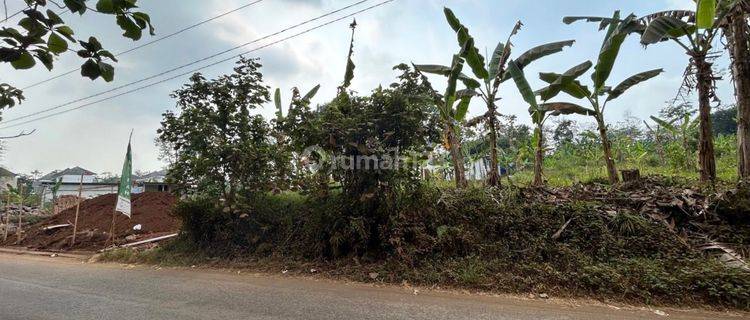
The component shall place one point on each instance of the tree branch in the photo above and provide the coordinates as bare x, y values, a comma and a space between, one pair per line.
22, 134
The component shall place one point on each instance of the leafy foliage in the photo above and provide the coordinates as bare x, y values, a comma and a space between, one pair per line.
43, 35
222, 149
493, 75
617, 30
391, 122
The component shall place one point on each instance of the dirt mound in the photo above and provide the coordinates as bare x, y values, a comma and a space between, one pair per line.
151, 210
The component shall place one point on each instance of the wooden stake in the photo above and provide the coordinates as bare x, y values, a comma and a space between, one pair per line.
112, 228
7, 218
78, 209
20, 214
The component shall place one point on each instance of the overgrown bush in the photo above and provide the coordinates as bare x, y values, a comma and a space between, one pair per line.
220, 149
478, 238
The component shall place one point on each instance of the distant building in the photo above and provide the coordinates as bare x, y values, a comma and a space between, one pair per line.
70, 179
153, 182
7, 178
94, 187
75, 174
88, 191
153, 177
156, 187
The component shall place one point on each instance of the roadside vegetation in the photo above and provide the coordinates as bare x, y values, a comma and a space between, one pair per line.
398, 185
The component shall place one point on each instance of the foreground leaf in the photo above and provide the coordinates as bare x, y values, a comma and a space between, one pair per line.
706, 13
558, 108
664, 28
539, 52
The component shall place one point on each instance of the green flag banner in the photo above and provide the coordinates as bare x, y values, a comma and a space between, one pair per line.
123, 193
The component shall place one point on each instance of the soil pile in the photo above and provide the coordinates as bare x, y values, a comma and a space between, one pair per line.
152, 216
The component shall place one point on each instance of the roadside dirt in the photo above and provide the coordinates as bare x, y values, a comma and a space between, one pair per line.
151, 210
223, 294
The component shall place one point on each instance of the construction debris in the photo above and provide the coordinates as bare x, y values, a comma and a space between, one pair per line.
157, 239
57, 227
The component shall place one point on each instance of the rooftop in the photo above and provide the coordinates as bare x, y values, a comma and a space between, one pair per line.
75, 171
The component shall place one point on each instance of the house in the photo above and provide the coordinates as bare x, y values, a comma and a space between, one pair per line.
88, 190
154, 182
153, 177
75, 174
69, 181
7, 178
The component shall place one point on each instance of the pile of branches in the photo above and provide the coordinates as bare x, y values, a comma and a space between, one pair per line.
696, 217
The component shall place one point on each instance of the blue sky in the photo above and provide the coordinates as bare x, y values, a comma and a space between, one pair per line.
403, 31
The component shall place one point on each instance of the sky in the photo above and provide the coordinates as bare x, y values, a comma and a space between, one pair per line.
95, 137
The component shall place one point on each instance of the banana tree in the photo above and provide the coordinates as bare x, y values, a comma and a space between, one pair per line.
737, 33
489, 75
283, 141
453, 107
618, 30
695, 32
696, 35
539, 114
683, 132
296, 99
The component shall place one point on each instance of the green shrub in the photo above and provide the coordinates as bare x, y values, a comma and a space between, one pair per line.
480, 238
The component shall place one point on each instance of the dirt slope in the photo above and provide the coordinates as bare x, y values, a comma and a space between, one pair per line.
151, 210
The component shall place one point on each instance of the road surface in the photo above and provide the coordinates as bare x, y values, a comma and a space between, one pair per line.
61, 288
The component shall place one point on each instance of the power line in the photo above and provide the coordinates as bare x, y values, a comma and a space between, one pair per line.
200, 68
184, 65
24, 9
13, 15
185, 29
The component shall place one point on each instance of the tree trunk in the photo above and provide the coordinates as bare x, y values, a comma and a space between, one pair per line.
706, 158
459, 173
539, 158
494, 178
607, 146
738, 36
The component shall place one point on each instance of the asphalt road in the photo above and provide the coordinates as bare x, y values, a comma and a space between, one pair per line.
44, 288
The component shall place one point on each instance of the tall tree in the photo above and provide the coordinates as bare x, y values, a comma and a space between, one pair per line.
737, 32
222, 149
453, 107
618, 30
695, 32
492, 73
699, 36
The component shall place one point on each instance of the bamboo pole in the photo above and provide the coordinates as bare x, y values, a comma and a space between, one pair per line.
78, 209
7, 218
20, 214
112, 228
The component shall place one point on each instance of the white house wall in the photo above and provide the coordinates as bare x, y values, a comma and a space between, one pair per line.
77, 179
89, 191
5, 181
